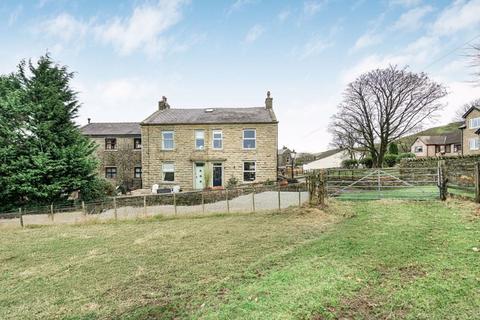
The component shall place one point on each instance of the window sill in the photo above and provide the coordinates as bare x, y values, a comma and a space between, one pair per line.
110, 149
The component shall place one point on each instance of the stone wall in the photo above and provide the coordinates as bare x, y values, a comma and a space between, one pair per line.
125, 158
185, 155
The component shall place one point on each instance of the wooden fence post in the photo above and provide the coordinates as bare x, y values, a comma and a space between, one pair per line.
477, 182
21, 216
442, 180
279, 203
115, 208
253, 200
144, 206
321, 189
299, 197
203, 203
175, 203
83, 208
228, 202
51, 212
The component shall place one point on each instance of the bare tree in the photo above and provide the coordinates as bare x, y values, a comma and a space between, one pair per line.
343, 139
463, 109
476, 61
385, 104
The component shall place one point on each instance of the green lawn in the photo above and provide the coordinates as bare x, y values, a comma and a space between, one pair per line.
377, 259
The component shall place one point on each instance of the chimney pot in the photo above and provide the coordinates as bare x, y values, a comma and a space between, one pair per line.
268, 101
89, 120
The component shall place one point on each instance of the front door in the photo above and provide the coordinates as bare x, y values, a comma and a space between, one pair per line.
199, 175
217, 174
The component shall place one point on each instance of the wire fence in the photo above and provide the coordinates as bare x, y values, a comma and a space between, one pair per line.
243, 199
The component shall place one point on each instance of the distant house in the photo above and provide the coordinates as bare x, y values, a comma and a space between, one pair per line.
119, 151
438, 146
284, 157
329, 159
471, 131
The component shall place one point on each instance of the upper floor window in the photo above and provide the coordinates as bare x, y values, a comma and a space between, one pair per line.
111, 172
217, 141
474, 144
110, 144
249, 139
199, 139
137, 143
137, 173
167, 140
168, 169
474, 123
418, 149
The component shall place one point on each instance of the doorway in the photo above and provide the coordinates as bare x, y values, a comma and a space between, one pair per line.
217, 175
199, 175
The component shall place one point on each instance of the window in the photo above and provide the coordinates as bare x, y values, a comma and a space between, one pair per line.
199, 139
137, 173
457, 148
137, 143
217, 139
448, 148
249, 139
168, 171
418, 149
167, 140
249, 171
474, 123
110, 144
111, 172
437, 149
474, 144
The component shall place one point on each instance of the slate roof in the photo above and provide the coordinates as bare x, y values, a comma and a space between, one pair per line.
449, 138
111, 128
217, 115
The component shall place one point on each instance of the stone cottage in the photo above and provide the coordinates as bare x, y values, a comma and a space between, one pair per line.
119, 150
198, 148
471, 131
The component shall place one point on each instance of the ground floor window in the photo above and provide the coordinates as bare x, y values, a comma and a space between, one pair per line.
168, 171
137, 172
111, 172
249, 170
474, 144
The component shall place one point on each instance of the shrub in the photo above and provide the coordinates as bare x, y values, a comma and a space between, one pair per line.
232, 182
393, 148
349, 163
367, 162
97, 189
406, 155
390, 159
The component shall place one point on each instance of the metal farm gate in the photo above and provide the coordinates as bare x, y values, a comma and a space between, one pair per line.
383, 183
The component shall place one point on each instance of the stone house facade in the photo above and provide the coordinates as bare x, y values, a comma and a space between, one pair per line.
211, 147
438, 146
470, 132
119, 151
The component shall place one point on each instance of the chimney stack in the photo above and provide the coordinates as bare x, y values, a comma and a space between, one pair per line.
162, 105
89, 120
268, 101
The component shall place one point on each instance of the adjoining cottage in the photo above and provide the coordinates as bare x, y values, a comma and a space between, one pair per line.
471, 131
438, 146
119, 150
210, 147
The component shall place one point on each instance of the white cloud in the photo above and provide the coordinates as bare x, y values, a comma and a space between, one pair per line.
412, 19
459, 16
311, 7
239, 4
254, 33
312, 48
144, 30
366, 40
405, 3
65, 27
14, 15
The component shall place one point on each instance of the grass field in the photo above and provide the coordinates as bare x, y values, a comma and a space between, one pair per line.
377, 259
403, 193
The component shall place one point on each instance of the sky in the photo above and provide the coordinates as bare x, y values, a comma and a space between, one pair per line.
126, 55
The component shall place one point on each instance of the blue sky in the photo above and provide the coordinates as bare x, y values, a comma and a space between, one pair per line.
127, 54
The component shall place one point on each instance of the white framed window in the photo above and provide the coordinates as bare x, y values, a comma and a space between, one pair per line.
418, 149
249, 139
217, 140
474, 144
168, 171
137, 172
474, 123
249, 171
199, 139
168, 142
